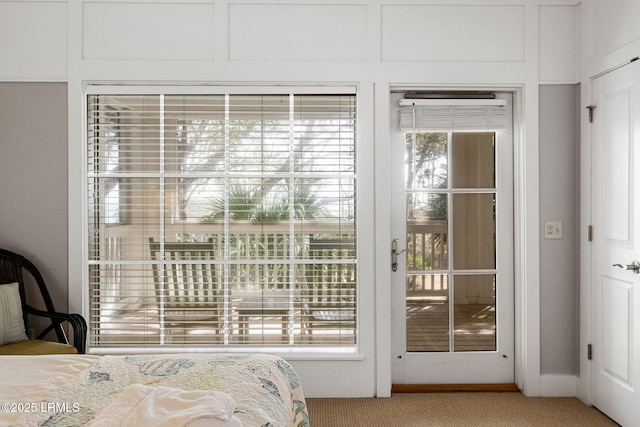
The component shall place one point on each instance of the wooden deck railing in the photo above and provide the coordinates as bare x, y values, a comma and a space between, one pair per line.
427, 254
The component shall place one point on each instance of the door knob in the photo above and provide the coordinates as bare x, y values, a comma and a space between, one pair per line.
634, 266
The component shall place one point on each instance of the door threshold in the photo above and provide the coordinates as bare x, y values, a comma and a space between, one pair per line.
454, 388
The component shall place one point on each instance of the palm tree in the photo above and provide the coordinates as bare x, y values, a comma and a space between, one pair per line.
248, 203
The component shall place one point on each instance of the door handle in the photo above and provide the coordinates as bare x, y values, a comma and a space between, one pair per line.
394, 254
634, 266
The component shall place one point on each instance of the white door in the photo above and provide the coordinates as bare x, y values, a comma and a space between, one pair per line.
452, 220
615, 290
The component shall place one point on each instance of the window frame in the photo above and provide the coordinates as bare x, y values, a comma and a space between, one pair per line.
100, 89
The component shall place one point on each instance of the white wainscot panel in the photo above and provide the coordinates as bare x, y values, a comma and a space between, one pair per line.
287, 32
612, 25
616, 186
148, 31
33, 40
453, 33
558, 44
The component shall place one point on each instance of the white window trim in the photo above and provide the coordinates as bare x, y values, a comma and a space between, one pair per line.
78, 295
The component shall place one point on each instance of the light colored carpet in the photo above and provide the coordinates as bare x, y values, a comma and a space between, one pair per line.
455, 409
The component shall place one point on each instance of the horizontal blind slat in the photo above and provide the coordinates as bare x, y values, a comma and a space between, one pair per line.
452, 118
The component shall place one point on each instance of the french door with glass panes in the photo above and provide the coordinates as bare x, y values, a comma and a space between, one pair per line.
452, 222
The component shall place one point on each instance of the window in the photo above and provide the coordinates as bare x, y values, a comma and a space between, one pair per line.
221, 219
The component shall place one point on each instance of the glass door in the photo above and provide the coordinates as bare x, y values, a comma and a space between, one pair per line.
453, 288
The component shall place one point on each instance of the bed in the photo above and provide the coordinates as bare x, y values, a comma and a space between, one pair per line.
232, 389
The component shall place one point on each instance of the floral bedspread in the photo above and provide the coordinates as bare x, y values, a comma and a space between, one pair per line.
265, 388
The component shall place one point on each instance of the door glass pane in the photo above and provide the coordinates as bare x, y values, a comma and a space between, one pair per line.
426, 161
474, 231
427, 208
427, 246
427, 312
473, 161
474, 312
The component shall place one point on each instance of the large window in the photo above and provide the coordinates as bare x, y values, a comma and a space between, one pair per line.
221, 219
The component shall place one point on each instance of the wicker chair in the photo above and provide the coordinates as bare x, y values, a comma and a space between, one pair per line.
12, 289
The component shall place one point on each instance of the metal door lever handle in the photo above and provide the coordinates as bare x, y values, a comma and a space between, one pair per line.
634, 266
394, 254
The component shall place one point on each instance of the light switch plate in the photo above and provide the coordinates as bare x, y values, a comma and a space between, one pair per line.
553, 230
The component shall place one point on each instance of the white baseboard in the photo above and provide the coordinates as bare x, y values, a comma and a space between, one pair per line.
558, 385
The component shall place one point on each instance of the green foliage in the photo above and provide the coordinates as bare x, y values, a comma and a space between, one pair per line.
248, 203
426, 160
415, 262
438, 207
242, 201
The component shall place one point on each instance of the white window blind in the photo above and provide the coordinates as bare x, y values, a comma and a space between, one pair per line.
453, 115
235, 219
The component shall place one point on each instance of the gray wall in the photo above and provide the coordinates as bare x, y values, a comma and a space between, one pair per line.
33, 179
559, 200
